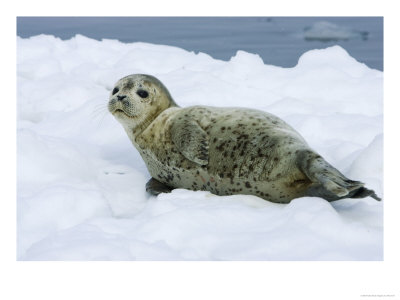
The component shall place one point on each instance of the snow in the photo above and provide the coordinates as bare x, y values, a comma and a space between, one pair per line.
81, 183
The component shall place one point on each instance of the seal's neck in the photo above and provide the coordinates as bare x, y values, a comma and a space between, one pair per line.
135, 130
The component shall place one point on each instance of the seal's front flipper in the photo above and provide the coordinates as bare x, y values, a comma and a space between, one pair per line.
328, 182
191, 140
154, 187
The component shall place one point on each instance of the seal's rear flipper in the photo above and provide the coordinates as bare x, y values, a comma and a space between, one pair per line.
364, 192
318, 190
328, 182
154, 187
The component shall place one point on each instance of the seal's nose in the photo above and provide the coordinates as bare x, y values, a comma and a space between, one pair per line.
120, 98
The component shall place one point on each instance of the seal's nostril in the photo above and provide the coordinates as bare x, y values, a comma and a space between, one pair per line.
121, 97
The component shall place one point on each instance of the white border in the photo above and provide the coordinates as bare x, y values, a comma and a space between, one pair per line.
199, 280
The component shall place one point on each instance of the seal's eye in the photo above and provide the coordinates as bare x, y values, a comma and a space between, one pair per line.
142, 93
115, 90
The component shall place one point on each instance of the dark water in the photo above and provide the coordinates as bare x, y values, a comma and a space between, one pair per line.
278, 40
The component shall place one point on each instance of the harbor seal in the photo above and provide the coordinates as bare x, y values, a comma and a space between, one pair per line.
222, 150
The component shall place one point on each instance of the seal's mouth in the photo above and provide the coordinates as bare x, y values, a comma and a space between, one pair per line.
121, 111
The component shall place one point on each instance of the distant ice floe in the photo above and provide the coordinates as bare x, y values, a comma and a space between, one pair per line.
326, 31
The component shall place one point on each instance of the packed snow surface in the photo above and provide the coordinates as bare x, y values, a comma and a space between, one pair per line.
81, 183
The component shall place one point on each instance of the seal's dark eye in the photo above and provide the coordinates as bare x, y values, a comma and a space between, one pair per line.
115, 90
142, 93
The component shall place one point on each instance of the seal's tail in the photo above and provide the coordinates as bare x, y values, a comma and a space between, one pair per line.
328, 182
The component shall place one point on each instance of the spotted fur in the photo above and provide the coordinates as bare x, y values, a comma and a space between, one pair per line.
222, 150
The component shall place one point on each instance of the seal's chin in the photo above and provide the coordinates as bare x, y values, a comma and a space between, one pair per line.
121, 113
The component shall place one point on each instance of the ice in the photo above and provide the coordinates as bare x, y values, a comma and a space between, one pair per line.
81, 183
327, 31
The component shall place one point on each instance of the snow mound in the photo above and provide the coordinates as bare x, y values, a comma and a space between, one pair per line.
81, 183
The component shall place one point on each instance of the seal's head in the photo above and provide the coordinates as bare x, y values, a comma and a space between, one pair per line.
136, 100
